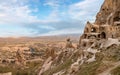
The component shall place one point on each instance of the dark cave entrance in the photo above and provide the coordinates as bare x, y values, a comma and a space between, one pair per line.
103, 35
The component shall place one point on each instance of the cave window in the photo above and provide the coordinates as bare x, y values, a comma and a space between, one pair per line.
103, 9
103, 35
116, 19
107, 9
118, 24
93, 30
99, 36
84, 44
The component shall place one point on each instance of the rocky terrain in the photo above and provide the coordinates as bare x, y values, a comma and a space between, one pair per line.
26, 55
96, 53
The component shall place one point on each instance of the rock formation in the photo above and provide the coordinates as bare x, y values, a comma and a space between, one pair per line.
9, 73
107, 24
94, 46
69, 43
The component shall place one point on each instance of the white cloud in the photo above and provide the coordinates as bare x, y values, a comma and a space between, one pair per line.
52, 3
63, 31
81, 11
18, 12
85, 10
15, 12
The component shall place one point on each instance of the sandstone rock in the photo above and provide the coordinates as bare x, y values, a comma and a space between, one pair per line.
109, 12
92, 59
69, 43
107, 24
47, 64
9, 73
59, 73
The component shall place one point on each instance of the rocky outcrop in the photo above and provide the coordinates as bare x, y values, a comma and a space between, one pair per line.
109, 12
9, 73
46, 65
95, 45
107, 24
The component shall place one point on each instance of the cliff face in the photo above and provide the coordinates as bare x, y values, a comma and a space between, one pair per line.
107, 24
109, 12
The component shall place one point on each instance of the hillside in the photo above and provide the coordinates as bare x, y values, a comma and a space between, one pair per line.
98, 52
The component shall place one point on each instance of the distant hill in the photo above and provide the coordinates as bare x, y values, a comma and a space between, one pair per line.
41, 38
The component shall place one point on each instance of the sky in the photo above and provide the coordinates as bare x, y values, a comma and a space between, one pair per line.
46, 17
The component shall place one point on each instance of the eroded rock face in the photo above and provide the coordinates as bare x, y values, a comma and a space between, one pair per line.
109, 12
107, 24
102, 34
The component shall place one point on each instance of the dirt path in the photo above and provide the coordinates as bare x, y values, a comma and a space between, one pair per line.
107, 72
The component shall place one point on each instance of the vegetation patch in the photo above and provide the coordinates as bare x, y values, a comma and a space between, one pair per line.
89, 69
58, 68
116, 71
18, 70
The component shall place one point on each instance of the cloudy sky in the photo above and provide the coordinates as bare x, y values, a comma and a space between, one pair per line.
45, 17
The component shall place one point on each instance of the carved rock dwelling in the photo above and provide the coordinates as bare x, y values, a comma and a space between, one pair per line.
106, 25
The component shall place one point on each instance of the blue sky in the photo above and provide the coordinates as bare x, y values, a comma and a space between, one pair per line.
45, 17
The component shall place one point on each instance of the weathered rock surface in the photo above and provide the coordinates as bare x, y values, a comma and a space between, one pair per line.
109, 12
95, 45
9, 73
107, 24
